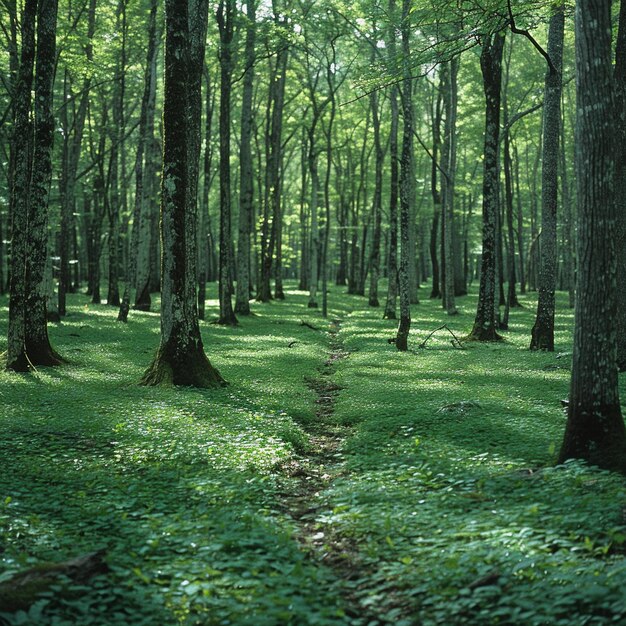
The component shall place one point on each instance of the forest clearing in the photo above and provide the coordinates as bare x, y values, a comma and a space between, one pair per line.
312, 312
425, 493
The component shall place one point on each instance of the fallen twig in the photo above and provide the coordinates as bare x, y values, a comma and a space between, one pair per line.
303, 323
456, 342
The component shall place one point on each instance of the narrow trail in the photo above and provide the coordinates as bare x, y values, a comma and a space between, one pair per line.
313, 475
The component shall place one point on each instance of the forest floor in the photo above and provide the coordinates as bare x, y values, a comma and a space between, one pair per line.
335, 481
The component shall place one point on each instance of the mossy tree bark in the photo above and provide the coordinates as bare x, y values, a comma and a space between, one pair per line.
246, 168
543, 329
22, 147
436, 115
180, 359
28, 342
225, 16
620, 187
595, 428
377, 203
484, 328
392, 258
273, 183
406, 170
449, 90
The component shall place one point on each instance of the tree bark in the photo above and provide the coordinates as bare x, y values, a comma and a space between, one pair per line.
28, 343
620, 187
392, 260
225, 16
543, 330
595, 428
491, 65
450, 98
246, 170
406, 170
379, 157
180, 359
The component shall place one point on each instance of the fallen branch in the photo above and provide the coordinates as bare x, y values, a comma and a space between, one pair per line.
303, 323
24, 588
456, 342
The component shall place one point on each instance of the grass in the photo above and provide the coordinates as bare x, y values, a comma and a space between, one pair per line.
446, 510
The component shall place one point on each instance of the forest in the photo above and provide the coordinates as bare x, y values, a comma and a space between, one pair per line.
312, 312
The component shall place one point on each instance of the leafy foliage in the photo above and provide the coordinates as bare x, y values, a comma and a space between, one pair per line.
447, 509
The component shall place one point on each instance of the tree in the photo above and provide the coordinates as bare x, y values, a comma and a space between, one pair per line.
449, 150
225, 17
620, 185
392, 260
28, 343
595, 429
246, 168
491, 66
543, 330
406, 169
140, 233
180, 359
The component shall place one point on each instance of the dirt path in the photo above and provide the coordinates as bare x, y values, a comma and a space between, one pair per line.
313, 475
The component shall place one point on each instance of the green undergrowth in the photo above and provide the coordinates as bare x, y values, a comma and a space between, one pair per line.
178, 485
452, 496
449, 509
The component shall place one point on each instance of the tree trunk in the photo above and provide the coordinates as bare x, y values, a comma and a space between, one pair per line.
406, 170
23, 145
180, 359
450, 97
620, 188
273, 184
595, 428
225, 16
379, 157
392, 261
28, 343
141, 205
246, 169
491, 65
543, 330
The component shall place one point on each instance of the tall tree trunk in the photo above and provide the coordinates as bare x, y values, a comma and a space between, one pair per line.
246, 170
23, 145
620, 187
406, 170
273, 184
379, 157
304, 215
595, 428
141, 206
38, 347
331, 63
450, 97
180, 359
543, 330
71, 156
225, 16
484, 328
520, 223
28, 343
392, 261
569, 227
437, 112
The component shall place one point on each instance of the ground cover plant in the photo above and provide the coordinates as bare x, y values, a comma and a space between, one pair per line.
334, 481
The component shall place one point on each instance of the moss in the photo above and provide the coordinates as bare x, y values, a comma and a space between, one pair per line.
190, 370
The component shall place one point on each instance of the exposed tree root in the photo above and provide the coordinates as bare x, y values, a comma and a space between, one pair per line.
189, 369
